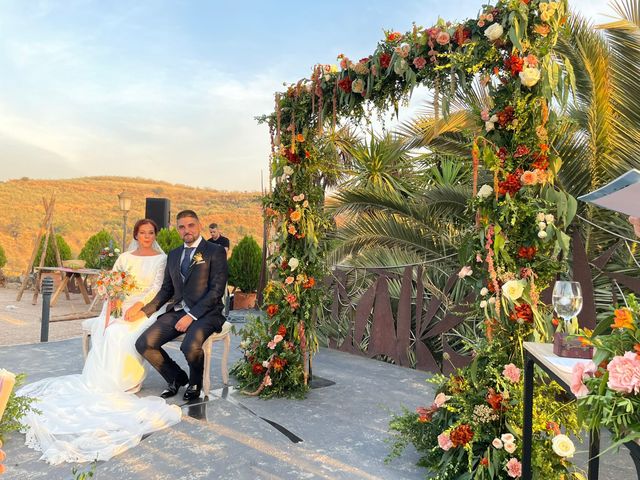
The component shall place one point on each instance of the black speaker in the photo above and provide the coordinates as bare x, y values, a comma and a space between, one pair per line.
158, 210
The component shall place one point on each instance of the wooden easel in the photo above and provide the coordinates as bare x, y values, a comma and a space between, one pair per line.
46, 229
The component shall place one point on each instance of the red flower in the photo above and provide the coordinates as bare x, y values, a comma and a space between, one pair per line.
425, 414
309, 283
461, 435
521, 151
484, 462
461, 35
307, 154
555, 322
527, 253
511, 184
293, 301
345, 85
385, 60
393, 36
272, 310
502, 154
279, 364
282, 330
540, 161
515, 64
506, 116
522, 314
495, 400
292, 157
257, 369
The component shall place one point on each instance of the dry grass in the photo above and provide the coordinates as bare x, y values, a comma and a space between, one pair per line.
86, 205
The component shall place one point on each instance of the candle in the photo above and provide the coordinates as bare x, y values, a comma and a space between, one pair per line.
7, 381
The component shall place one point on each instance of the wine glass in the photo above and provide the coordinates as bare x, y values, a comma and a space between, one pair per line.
567, 299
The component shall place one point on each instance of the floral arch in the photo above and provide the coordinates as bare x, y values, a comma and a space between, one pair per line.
520, 217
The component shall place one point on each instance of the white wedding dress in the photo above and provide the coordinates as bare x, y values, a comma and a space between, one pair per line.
91, 416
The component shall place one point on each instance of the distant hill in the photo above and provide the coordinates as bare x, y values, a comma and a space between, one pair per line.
86, 205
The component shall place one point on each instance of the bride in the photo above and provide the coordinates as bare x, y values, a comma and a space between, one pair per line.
96, 415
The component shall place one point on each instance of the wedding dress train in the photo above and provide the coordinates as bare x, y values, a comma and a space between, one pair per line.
91, 416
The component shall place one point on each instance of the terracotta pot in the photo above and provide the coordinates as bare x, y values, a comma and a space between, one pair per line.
244, 301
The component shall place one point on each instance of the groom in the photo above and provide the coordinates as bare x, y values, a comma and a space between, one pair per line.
194, 281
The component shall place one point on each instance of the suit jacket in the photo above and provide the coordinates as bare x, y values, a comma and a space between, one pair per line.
203, 287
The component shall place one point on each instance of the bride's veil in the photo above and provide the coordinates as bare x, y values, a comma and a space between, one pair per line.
134, 246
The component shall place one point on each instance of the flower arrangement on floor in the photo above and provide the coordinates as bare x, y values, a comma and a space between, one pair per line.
608, 387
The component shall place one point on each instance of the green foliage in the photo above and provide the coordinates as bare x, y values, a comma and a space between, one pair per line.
81, 474
17, 408
90, 253
3, 257
50, 259
244, 265
169, 239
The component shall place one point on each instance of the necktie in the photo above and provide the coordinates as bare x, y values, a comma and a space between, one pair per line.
184, 266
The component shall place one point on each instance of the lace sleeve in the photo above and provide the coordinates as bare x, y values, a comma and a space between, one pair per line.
153, 289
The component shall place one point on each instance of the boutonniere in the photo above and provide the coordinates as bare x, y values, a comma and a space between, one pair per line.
197, 259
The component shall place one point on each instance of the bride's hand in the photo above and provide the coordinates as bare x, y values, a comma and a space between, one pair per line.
133, 311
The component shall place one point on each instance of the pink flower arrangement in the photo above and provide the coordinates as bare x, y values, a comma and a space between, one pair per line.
443, 38
511, 373
624, 373
580, 369
514, 468
419, 62
444, 442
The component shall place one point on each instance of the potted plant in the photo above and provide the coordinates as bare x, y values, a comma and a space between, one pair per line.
244, 272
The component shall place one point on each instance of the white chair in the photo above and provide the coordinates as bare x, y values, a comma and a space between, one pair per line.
225, 335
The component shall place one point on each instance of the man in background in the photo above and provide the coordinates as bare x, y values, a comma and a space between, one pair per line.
216, 237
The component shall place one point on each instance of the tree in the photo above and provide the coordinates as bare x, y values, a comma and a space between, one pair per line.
244, 265
94, 245
168, 239
50, 259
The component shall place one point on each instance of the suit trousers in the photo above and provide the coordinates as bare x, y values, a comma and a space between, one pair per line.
150, 343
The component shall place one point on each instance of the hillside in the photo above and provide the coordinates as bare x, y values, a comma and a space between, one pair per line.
86, 205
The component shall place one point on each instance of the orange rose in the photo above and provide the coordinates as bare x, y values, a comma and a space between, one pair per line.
622, 318
542, 30
529, 178
300, 138
291, 229
295, 216
272, 310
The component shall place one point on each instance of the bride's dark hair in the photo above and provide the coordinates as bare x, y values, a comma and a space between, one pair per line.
144, 221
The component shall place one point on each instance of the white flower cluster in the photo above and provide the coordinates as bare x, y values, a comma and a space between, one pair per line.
544, 220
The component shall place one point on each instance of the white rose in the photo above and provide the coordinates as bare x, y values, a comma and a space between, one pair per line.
563, 446
483, 304
484, 291
529, 76
542, 234
542, 225
265, 364
492, 300
507, 438
494, 32
540, 217
485, 191
513, 290
293, 263
549, 218
510, 447
116, 250
488, 126
497, 443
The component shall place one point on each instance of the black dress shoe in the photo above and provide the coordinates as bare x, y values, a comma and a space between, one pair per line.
192, 392
172, 388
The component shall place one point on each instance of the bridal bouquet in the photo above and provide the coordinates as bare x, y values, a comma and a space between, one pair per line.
608, 387
114, 286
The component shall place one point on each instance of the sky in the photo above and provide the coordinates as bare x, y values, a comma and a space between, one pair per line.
168, 90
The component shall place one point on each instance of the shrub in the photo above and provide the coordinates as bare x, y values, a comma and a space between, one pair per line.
244, 265
168, 239
50, 259
3, 257
90, 253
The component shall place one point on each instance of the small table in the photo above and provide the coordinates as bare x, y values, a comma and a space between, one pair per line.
541, 354
80, 274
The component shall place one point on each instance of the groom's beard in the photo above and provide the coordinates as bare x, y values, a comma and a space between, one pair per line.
189, 239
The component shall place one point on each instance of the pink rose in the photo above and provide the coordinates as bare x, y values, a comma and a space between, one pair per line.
444, 442
511, 373
578, 388
271, 344
514, 468
277, 339
443, 38
624, 373
465, 271
267, 381
419, 62
484, 115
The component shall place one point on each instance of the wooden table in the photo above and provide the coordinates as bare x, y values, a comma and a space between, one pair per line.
80, 274
541, 354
